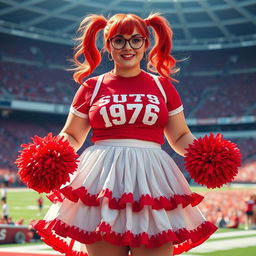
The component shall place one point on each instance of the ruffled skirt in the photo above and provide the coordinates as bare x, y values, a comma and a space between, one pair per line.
126, 192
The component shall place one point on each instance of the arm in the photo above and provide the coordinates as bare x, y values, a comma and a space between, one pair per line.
178, 134
75, 130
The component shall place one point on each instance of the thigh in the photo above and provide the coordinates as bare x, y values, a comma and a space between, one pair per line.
101, 248
165, 250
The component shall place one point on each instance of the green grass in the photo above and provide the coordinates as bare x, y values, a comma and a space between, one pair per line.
18, 245
23, 204
248, 251
227, 238
223, 230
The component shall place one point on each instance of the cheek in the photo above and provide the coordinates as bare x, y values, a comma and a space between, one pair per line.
115, 55
141, 54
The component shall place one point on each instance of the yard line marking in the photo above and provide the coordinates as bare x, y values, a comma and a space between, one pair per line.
211, 246
227, 244
27, 254
234, 233
39, 249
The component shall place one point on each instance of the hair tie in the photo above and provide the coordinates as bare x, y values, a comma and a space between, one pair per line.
147, 22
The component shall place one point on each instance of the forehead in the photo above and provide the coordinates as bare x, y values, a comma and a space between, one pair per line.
135, 31
124, 27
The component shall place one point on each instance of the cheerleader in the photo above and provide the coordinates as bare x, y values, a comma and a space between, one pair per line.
127, 195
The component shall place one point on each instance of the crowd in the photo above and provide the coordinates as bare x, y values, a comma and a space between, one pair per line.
226, 96
13, 138
203, 97
226, 209
32, 83
231, 208
45, 78
50, 53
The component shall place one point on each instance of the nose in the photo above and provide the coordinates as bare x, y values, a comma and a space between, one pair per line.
127, 45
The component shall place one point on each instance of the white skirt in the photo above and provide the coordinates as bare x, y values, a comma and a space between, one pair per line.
127, 192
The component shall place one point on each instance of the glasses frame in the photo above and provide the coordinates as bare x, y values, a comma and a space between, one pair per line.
127, 40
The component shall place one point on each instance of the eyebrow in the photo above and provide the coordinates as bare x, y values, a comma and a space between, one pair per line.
131, 36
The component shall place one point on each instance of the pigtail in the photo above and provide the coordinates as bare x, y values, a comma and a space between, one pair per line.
86, 47
159, 59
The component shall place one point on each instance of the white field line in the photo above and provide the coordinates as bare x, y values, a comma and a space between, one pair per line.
234, 234
226, 244
38, 249
20, 190
212, 246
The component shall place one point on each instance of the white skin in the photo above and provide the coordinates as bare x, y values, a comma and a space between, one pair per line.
127, 60
176, 131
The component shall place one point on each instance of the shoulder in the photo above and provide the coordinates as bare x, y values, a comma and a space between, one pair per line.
88, 85
163, 80
91, 82
166, 82
148, 75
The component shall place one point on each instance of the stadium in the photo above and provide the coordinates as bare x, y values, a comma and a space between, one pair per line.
215, 43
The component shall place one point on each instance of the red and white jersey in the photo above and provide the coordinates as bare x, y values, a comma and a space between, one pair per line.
127, 107
249, 205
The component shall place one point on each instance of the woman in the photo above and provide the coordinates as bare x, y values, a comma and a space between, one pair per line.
127, 194
249, 212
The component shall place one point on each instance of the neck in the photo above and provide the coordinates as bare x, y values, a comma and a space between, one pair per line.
126, 72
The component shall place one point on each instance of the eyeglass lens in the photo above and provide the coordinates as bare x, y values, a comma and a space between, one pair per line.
119, 42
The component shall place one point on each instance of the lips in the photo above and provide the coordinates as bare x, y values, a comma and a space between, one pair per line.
127, 56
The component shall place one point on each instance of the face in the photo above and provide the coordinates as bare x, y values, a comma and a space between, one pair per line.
127, 59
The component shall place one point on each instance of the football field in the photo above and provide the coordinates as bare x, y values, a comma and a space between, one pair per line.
23, 204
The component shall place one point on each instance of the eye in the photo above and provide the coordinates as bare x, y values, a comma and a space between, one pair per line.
119, 40
136, 40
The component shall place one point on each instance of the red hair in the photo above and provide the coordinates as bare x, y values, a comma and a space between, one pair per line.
125, 24
159, 59
86, 48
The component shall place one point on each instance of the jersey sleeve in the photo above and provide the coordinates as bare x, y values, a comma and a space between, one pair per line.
173, 100
81, 102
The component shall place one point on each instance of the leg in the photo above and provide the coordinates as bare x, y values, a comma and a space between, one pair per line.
164, 250
101, 248
249, 221
246, 224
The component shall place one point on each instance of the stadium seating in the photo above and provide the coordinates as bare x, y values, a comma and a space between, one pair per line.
213, 84
218, 94
227, 96
227, 202
12, 138
26, 82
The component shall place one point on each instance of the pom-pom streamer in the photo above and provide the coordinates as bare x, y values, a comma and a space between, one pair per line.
46, 163
212, 161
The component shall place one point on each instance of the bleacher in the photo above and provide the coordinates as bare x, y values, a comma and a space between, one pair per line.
43, 77
12, 138
227, 202
212, 84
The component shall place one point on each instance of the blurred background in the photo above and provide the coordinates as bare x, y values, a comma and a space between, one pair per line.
214, 39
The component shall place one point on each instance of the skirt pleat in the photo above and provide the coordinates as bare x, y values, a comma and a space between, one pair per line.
129, 193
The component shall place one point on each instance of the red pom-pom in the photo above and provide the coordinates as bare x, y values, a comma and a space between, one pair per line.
212, 161
46, 163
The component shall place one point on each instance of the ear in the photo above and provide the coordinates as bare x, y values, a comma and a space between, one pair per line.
107, 46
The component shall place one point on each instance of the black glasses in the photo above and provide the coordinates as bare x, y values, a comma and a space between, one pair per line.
119, 42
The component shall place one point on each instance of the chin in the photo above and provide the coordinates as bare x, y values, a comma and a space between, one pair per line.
127, 65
